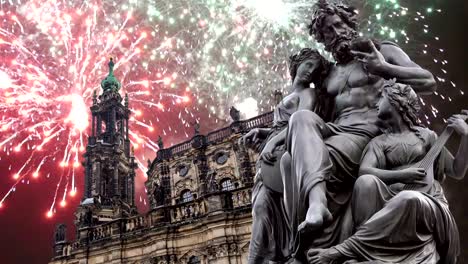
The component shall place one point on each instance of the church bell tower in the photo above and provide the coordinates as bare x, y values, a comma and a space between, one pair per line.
109, 190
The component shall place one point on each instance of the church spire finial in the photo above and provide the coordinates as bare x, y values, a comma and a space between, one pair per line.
111, 66
110, 83
94, 97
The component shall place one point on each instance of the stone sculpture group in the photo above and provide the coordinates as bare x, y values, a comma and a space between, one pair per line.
347, 173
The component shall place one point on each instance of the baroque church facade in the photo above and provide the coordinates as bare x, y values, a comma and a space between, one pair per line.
199, 193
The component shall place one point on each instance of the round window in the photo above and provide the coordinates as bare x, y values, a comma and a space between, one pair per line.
183, 170
221, 158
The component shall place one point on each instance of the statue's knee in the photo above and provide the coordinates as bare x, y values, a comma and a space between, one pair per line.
366, 183
408, 197
304, 117
285, 166
285, 161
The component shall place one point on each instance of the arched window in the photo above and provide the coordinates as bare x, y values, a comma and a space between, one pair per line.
186, 196
226, 185
194, 260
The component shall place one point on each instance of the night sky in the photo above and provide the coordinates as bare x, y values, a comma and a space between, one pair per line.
26, 235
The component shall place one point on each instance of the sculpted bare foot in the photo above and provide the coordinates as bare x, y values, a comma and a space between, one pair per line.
317, 215
323, 256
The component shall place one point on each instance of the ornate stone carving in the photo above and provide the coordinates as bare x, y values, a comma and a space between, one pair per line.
186, 184
222, 251
233, 249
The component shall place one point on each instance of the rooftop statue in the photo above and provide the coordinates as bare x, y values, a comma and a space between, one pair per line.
234, 113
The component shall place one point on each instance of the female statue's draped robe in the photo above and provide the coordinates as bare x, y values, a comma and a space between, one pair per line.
406, 226
270, 231
327, 153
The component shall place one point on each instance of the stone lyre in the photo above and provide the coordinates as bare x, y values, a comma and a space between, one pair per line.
427, 163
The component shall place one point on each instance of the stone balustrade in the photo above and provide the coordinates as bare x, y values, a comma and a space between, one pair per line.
258, 121
263, 120
219, 135
101, 232
136, 223
188, 210
242, 198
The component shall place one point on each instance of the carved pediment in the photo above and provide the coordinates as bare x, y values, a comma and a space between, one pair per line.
224, 172
185, 184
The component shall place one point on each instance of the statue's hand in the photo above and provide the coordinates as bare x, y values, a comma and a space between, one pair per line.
267, 153
250, 138
323, 256
374, 61
412, 175
458, 123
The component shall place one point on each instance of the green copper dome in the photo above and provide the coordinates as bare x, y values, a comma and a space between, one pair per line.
110, 83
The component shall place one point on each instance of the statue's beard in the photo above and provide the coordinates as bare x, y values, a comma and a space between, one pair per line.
340, 47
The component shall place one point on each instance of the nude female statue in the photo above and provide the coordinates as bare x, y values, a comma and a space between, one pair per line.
270, 233
394, 225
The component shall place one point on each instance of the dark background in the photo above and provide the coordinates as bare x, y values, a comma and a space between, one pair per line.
26, 234
453, 26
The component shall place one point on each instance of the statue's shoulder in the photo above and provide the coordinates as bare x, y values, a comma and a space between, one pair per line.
380, 140
387, 48
428, 135
389, 43
425, 130
393, 53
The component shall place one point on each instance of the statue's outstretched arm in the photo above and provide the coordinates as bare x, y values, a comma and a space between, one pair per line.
392, 62
254, 137
401, 67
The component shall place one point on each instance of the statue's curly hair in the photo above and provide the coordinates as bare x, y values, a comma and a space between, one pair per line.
323, 9
405, 101
306, 54
323, 107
